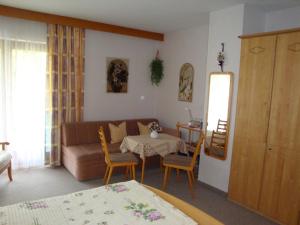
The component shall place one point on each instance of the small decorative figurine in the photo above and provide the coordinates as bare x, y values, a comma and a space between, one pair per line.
221, 57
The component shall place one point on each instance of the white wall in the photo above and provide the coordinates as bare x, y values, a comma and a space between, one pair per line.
224, 26
184, 46
99, 105
254, 19
283, 19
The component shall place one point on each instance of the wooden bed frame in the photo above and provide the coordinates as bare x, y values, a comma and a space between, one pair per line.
196, 214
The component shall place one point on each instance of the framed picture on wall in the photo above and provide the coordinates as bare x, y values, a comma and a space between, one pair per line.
186, 79
117, 70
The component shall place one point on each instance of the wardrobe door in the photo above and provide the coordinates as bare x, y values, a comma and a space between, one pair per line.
252, 117
280, 194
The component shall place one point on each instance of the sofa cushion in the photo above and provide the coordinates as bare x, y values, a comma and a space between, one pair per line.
123, 157
86, 161
143, 129
117, 133
87, 152
179, 160
113, 148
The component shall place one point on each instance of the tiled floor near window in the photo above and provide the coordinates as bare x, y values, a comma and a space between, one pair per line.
39, 183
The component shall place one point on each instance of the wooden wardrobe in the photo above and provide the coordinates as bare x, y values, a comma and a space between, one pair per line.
265, 170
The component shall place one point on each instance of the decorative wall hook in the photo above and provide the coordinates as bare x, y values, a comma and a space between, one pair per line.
221, 57
157, 54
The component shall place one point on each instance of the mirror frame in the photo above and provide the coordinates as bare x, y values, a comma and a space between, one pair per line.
231, 74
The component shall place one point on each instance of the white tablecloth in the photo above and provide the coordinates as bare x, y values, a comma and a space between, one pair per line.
146, 146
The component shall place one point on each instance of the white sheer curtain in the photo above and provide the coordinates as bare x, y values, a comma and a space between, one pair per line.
22, 90
22, 102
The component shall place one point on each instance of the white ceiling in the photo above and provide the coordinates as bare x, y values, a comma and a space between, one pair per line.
153, 15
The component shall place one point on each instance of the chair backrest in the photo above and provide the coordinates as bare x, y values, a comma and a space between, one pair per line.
104, 145
198, 149
218, 139
222, 126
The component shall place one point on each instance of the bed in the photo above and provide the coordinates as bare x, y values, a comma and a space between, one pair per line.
125, 203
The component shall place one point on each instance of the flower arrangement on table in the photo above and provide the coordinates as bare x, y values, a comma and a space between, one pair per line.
154, 129
154, 126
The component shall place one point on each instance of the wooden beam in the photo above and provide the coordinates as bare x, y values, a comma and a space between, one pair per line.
70, 21
270, 33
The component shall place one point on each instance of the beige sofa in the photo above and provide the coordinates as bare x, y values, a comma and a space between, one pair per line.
81, 151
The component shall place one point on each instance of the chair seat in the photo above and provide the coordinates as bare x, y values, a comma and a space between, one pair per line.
5, 158
178, 160
123, 158
218, 151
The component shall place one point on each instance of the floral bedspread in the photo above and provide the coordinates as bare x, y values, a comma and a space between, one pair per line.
126, 203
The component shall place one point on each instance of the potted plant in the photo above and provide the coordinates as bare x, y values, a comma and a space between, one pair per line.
157, 70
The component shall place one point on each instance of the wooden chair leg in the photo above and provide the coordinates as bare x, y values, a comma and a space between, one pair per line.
161, 163
190, 178
190, 181
126, 172
9, 172
169, 172
130, 172
106, 173
193, 176
143, 170
109, 174
133, 172
177, 174
165, 177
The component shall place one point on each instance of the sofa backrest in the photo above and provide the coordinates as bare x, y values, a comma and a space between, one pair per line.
87, 132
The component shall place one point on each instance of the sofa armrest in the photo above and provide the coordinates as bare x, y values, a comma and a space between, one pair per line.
170, 131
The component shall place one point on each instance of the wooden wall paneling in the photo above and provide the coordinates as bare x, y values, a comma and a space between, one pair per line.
70, 21
252, 118
281, 183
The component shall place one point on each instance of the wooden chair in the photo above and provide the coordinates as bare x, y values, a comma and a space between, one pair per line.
5, 160
218, 141
113, 160
222, 126
180, 162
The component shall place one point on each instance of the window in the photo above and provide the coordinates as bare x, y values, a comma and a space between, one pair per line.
22, 118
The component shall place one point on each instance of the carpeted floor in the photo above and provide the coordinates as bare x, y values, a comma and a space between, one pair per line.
39, 183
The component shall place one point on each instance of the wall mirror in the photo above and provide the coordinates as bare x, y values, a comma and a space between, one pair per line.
218, 114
